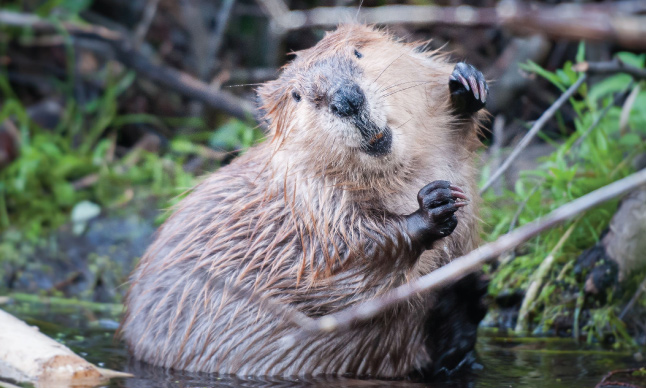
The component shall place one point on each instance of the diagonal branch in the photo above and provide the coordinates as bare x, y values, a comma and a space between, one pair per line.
538, 125
473, 260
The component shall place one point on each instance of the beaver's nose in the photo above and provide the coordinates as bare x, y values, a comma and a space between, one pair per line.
347, 100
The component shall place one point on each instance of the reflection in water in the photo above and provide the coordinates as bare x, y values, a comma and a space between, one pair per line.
502, 361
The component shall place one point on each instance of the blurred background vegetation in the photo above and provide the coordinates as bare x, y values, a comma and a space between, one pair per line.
111, 109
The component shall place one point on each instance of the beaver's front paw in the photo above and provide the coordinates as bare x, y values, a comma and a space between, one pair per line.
438, 202
468, 89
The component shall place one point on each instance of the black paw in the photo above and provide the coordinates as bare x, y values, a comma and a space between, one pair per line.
468, 89
438, 202
452, 324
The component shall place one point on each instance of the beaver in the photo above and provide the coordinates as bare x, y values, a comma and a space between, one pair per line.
360, 187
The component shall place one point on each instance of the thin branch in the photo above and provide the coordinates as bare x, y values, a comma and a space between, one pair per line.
605, 383
168, 77
611, 67
521, 207
602, 114
496, 147
538, 125
507, 257
144, 24
473, 260
624, 118
221, 25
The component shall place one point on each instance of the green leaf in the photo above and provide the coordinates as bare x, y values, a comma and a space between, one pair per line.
64, 193
535, 68
632, 59
630, 139
580, 52
609, 85
182, 146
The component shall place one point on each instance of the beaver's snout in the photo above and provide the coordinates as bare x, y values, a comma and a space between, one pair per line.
347, 100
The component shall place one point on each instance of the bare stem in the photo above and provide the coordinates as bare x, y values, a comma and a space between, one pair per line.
473, 260
538, 125
611, 67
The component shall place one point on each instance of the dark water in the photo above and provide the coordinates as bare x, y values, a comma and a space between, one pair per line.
502, 361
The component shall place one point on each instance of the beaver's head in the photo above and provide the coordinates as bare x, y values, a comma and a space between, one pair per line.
359, 96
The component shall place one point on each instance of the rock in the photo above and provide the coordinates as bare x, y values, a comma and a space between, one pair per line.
622, 247
625, 242
92, 265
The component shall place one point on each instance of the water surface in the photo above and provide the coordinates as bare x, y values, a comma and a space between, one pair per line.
501, 361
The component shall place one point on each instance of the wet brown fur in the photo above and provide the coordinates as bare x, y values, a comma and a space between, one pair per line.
308, 221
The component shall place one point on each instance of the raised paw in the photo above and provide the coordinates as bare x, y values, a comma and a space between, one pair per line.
435, 218
469, 89
439, 200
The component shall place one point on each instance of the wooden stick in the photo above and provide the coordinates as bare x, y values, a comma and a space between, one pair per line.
473, 260
538, 125
601, 115
611, 67
144, 24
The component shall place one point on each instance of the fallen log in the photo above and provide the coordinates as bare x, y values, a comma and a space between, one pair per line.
28, 356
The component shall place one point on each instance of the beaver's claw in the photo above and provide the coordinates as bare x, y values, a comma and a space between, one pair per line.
469, 89
438, 200
435, 219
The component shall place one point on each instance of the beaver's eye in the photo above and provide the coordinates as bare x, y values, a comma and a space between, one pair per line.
296, 96
357, 54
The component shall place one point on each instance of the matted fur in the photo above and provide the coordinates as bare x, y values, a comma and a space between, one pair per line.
308, 220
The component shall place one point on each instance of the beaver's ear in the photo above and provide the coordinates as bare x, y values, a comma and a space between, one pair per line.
271, 99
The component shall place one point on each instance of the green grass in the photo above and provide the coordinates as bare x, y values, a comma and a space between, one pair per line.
571, 171
40, 188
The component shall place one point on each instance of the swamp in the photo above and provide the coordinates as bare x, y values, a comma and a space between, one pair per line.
112, 111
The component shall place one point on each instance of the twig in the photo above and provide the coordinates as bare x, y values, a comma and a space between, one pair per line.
576, 144
170, 78
193, 18
611, 67
521, 207
277, 11
604, 380
537, 281
221, 25
631, 303
473, 260
538, 125
625, 110
507, 257
602, 114
496, 147
144, 24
